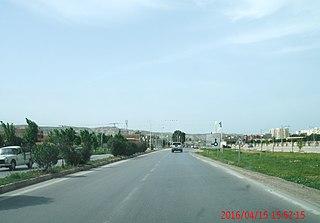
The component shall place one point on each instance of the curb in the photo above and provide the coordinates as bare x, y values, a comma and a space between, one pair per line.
18, 185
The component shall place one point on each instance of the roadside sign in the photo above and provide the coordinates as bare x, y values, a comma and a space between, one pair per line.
216, 141
213, 140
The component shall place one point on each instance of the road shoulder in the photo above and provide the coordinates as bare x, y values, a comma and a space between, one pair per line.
291, 189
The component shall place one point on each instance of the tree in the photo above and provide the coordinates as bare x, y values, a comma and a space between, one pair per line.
300, 144
106, 138
179, 136
86, 140
118, 145
1, 141
46, 155
10, 138
267, 142
131, 148
94, 140
65, 140
30, 136
70, 136
101, 137
89, 142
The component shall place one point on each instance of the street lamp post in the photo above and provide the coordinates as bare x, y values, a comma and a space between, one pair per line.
239, 142
261, 143
221, 146
273, 145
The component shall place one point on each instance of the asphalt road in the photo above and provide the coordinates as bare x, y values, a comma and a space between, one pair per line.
159, 187
23, 168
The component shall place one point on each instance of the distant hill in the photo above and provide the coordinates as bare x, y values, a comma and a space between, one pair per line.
107, 130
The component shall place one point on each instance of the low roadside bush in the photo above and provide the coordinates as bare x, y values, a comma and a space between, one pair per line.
45, 155
120, 146
83, 154
141, 147
72, 157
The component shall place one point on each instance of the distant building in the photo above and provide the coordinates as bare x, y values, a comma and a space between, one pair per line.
280, 133
133, 138
41, 137
308, 132
268, 135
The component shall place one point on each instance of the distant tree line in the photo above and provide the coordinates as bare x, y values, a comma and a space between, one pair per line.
122, 147
66, 144
305, 138
178, 136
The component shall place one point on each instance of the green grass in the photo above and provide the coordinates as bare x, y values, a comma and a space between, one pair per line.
20, 176
16, 177
302, 168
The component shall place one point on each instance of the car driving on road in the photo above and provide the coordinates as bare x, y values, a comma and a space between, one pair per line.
176, 146
12, 156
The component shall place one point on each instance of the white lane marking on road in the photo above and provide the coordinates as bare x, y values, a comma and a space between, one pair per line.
114, 164
305, 207
158, 163
81, 173
120, 207
240, 176
235, 174
24, 190
152, 169
131, 194
145, 177
143, 155
128, 196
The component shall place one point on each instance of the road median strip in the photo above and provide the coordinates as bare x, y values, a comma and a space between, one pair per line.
34, 180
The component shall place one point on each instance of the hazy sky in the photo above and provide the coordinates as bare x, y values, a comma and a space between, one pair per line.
252, 64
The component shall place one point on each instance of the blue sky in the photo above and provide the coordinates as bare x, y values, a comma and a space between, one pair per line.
254, 65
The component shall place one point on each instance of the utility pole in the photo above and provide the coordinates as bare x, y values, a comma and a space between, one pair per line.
260, 140
221, 146
273, 145
150, 135
239, 142
127, 122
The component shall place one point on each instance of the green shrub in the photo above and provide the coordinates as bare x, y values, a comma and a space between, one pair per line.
45, 155
72, 157
141, 147
84, 154
118, 145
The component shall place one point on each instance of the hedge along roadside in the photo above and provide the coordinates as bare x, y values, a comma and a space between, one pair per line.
41, 178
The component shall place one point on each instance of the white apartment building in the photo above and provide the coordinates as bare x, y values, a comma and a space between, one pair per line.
315, 130
280, 133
